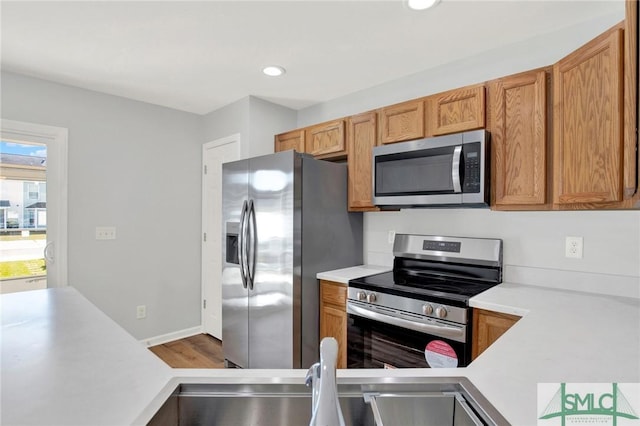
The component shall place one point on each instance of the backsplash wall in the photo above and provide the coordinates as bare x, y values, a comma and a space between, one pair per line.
534, 243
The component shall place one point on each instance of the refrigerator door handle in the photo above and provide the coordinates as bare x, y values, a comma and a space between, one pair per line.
252, 244
242, 243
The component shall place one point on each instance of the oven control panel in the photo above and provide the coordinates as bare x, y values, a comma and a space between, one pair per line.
407, 304
448, 246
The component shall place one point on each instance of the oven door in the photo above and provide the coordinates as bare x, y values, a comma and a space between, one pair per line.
379, 340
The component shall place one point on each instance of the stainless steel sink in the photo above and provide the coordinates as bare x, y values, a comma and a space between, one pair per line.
380, 402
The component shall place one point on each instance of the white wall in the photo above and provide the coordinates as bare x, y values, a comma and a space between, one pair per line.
134, 166
226, 121
541, 51
266, 120
255, 119
533, 241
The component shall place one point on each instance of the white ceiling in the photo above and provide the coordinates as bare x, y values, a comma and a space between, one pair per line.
199, 56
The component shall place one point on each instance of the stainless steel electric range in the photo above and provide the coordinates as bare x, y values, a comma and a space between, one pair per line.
418, 315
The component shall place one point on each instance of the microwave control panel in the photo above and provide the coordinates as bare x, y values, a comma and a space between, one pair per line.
472, 167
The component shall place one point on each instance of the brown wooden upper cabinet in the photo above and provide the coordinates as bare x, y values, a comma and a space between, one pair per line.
326, 140
402, 122
518, 106
455, 110
361, 138
290, 140
631, 177
589, 160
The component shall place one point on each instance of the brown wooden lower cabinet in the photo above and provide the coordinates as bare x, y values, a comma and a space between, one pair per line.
488, 326
333, 316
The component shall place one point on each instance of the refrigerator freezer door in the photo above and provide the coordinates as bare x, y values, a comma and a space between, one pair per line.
276, 285
235, 315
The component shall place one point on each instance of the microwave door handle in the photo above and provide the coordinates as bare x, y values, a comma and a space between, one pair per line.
455, 169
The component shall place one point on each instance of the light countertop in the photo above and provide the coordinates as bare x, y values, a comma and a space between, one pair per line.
344, 275
65, 362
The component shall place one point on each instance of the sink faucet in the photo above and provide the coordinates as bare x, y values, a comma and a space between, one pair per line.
321, 377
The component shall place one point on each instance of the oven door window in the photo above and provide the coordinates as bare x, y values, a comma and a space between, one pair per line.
371, 344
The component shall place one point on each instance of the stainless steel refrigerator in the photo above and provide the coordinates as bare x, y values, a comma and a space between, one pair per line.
285, 219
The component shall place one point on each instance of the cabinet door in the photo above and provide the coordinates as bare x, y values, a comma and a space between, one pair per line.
488, 326
456, 111
361, 138
631, 100
519, 139
326, 141
588, 138
402, 122
333, 316
290, 140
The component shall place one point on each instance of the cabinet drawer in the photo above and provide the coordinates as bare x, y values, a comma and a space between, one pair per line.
333, 293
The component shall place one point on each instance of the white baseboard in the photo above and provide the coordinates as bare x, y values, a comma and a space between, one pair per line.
169, 337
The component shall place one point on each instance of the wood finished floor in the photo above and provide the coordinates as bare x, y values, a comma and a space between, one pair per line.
199, 351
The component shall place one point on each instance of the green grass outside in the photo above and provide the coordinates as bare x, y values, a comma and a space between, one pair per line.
19, 237
22, 268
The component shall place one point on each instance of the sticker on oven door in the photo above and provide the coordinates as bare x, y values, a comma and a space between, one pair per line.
440, 354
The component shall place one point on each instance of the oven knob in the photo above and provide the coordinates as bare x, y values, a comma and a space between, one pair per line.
361, 295
371, 298
427, 309
441, 312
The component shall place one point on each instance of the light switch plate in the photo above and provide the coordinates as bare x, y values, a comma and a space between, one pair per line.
105, 233
141, 311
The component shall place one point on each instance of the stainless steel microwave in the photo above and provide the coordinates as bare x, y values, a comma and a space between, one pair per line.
442, 171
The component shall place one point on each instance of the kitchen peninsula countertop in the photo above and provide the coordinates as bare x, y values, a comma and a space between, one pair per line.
65, 362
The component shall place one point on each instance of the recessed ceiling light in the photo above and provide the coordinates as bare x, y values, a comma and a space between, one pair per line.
273, 70
421, 4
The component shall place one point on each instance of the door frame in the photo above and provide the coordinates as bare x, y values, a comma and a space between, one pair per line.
56, 140
234, 138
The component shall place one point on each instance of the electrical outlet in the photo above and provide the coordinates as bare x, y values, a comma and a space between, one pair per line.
105, 233
141, 311
573, 247
391, 236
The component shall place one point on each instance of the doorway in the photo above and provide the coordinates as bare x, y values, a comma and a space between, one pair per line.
214, 154
37, 222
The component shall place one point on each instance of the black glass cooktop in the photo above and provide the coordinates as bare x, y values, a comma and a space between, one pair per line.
423, 286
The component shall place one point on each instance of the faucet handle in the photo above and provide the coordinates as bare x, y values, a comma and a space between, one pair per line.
312, 374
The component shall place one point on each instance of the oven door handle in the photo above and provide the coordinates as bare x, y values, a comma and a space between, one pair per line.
453, 333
